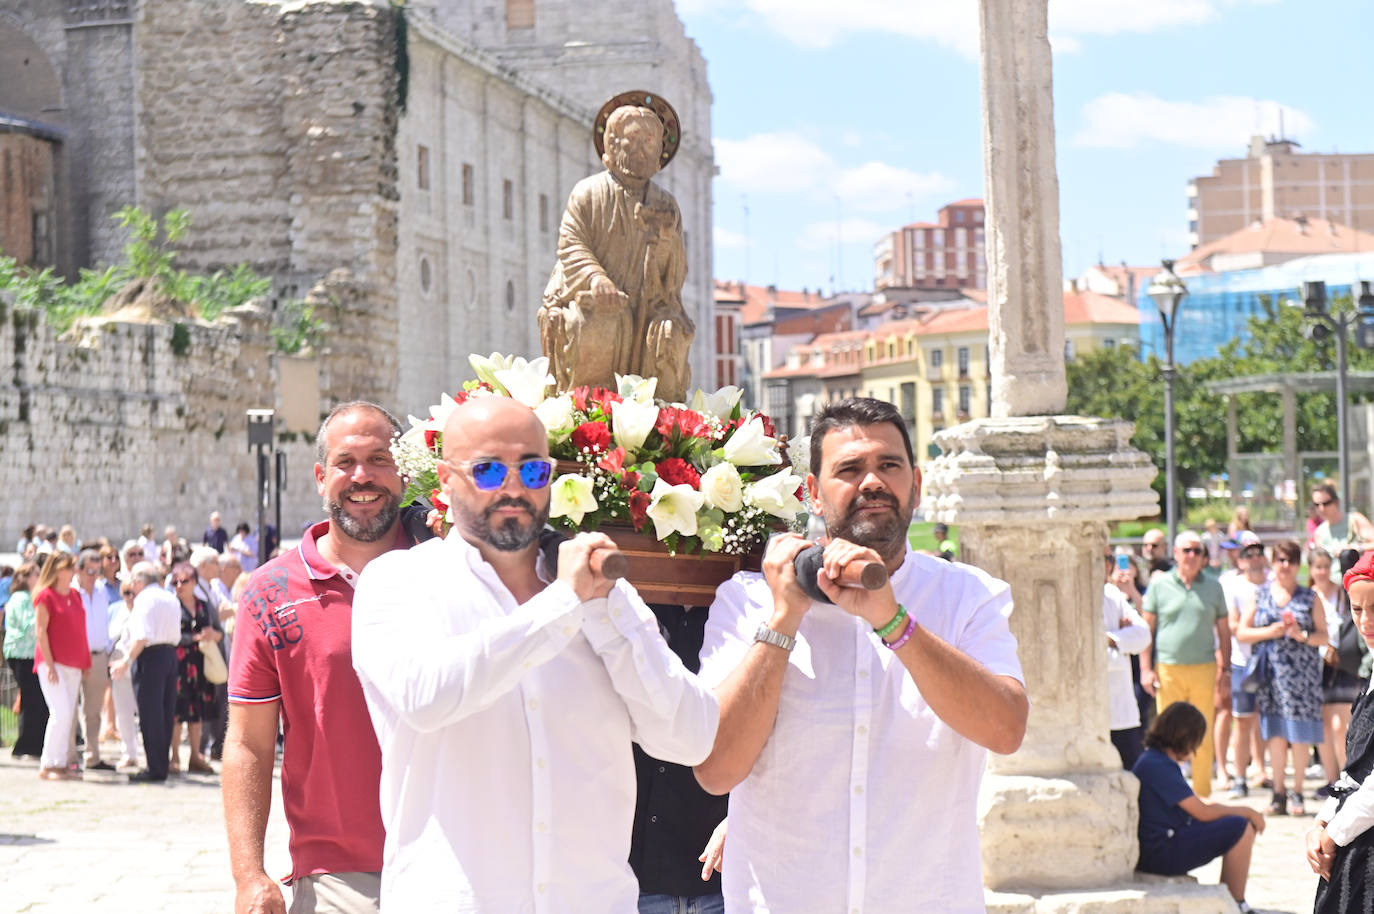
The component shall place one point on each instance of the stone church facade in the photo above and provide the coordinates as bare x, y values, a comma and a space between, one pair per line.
426, 150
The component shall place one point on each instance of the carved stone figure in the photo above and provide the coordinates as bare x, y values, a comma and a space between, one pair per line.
614, 300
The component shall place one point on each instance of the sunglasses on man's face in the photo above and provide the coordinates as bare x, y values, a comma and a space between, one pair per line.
1191, 550
490, 475
1321, 504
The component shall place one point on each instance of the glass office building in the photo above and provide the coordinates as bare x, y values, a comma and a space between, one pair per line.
1219, 306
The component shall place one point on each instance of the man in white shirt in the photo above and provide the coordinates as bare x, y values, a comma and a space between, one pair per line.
505, 700
95, 679
1240, 590
853, 761
155, 627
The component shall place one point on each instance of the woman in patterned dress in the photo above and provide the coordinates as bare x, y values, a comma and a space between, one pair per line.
195, 694
1284, 620
1340, 845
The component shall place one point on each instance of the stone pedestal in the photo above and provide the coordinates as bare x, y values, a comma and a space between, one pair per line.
1032, 497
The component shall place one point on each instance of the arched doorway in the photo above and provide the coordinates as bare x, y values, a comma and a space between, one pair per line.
32, 130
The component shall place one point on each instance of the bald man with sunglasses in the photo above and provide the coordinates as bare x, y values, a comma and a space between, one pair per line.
506, 694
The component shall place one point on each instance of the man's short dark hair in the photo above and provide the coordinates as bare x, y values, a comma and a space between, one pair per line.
322, 448
850, 412
1328, 490
1179, 728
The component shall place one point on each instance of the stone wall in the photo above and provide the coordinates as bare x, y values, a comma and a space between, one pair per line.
127, 422
274, 124
472, 273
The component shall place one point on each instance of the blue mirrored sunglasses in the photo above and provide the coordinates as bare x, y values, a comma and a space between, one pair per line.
489, 475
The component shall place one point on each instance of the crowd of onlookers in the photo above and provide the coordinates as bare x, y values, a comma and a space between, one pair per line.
71, 629
1227, 658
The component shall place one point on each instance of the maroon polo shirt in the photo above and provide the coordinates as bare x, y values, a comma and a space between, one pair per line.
293, 644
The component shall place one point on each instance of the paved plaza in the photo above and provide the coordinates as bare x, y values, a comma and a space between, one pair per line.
108, 846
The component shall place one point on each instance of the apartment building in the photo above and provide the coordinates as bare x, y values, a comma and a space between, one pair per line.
1275, 179
948, 253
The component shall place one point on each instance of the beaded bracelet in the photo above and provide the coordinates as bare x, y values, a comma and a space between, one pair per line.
892, 626
906, 635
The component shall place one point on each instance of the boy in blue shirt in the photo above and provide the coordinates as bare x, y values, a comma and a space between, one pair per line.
1180, 831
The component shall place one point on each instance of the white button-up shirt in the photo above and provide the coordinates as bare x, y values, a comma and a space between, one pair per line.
156, 617
97, 606
1357, 815
862, 799
508, 784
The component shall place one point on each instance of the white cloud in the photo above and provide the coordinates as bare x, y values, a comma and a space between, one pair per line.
820, 236
788, 163
776, 162
877, 186
1120, 120
723, 237
954, 23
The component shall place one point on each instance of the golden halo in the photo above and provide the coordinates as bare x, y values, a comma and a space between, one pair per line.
639, 98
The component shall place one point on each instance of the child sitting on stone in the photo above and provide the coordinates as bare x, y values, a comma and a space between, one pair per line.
1180, 831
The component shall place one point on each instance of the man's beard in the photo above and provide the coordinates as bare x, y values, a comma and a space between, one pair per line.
359, 529
508, 535
885, 533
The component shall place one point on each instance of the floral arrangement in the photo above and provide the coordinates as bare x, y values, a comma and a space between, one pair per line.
705, 476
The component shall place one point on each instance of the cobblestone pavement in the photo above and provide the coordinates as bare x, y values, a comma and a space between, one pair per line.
103, 845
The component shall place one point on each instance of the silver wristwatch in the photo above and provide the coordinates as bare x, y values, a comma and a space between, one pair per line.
777, 639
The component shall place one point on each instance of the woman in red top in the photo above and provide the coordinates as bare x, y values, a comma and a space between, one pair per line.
59, 659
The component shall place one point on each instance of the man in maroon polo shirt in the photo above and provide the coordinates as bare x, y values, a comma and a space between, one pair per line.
292, 659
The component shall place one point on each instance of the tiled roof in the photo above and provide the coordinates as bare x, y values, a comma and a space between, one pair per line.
1298, 236
756, 300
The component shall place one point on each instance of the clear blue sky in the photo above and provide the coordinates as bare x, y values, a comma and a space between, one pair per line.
848, 118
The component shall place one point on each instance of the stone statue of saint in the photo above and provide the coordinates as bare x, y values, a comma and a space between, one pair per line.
614, 300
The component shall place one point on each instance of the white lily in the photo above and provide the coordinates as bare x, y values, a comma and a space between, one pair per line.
526, 381
631, 423
414, 436
719, 404
486, 368
438, 415
750, 447
776, 495
571, 497
556, 413
633, 387
673, 508
723, 488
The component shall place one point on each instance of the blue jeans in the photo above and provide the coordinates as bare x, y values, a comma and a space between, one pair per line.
673, 904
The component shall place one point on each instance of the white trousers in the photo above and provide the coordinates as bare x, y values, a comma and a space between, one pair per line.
61, 699
126, 707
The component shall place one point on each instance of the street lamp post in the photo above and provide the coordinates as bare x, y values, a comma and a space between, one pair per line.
1167, 291
1324, 325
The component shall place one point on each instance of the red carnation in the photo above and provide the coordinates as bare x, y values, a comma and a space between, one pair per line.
613, 461
431, 436
687, 422
629, 480
639, 508
591, 435
677, 472
769, 428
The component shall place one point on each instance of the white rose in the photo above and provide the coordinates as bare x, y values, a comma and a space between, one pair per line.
723, 488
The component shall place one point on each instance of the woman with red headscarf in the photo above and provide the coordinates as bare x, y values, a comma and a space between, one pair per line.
1340, 846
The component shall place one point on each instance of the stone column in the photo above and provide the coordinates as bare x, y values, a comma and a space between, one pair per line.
1032, 497
1021, 187
1033, 493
